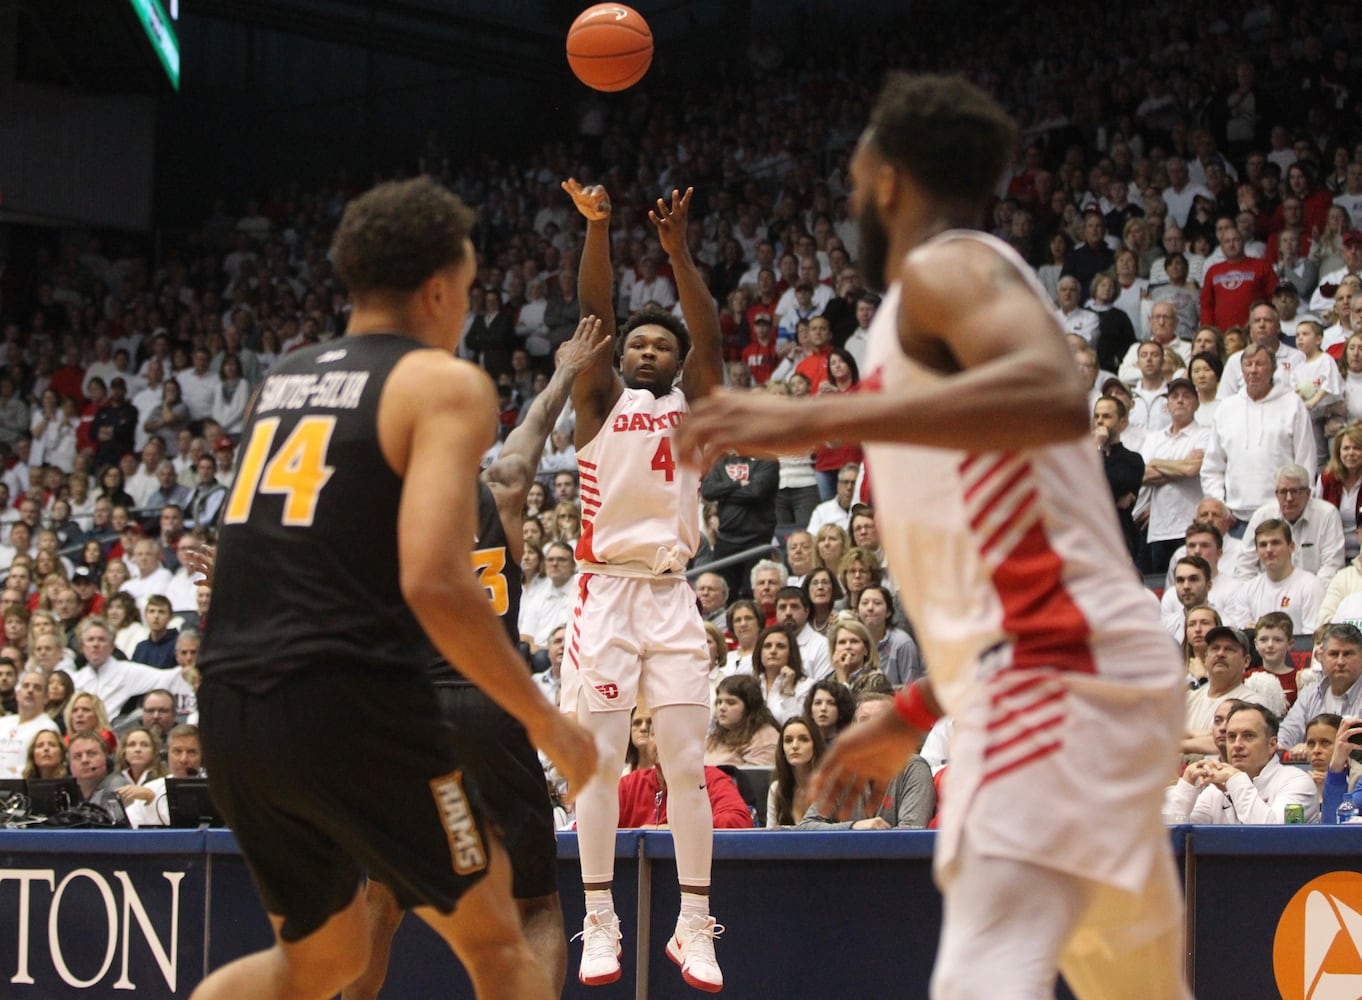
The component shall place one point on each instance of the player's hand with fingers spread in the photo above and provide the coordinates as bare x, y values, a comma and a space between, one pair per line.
748, 422
587, 345
569, 746
868, 754
202, 558
671, 222
593, 202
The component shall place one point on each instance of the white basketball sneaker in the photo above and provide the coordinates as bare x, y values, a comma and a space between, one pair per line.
692, 948
600, 948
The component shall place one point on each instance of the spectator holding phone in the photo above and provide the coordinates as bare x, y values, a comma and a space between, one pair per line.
1340, 778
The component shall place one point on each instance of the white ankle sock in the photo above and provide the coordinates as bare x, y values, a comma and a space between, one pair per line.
600, 900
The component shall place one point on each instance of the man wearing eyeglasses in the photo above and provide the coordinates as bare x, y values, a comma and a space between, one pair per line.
838, 509
1316, 527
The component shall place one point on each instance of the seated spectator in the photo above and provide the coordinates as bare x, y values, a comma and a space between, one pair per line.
184, 759
779, 673
1227, 658
1340, 485
1338, 691
550, 680
117, 681
855, 658
543, 610
1252, 787
152, 577
1343, 600
798, 755
158, 648
18, 731
860, 568
831, 542
792, 614
643, 799
46, 757
718, 657
837, 509
86, 713
824, 593
89, 763
1272, 639
1316, 528
60, 690
1199, 622
711, 594
908, 803
641, 753
122, 615
744, 621
896, 651
799, 556
744, 731
830, 706
139, 761
1281, 586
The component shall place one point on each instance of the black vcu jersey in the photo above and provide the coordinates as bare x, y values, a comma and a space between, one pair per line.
307, 564
497, 572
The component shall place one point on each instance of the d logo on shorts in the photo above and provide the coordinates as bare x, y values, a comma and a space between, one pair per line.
1317, 951
609, 691
465, 842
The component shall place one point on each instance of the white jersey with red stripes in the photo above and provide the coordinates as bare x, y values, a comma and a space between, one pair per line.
639, 510
1039, 637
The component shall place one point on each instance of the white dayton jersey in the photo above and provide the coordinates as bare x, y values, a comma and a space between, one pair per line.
639, 510
1040, 641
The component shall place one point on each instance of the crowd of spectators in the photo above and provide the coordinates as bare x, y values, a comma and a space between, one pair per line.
1188, 192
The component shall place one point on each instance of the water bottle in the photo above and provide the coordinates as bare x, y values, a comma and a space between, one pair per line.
1346, 810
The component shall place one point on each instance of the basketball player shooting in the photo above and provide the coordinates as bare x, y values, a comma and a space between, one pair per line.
998, 526
635, 621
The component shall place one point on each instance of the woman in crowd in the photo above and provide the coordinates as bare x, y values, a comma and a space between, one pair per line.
1135, 238
779, 672
1049, 273
54, 430
1205, 370
229, 400
1235, 340
1199, 620
823, 592
115, 574
1352, 377
859, 569
830, 545
798, 754
830, 706
1341, 483
536, 498
269, 350
744, 625
1208, 340
532, 577
124, 619
1326, 249
167, 420
86, 711
567, 522
139, 760
46, 757
717, 647
855, 658
111, 486
60, 691
641, 753
898, 654
744, 732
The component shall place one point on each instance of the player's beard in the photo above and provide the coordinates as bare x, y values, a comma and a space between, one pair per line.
874, 247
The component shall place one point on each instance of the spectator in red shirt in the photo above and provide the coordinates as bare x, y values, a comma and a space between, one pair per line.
815, 366
1231, 287
760, 355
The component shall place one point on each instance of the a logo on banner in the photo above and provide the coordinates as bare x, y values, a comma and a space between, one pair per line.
1317, 952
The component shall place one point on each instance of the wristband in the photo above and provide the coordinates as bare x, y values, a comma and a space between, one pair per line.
912, 709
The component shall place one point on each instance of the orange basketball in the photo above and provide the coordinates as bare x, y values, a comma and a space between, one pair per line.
609, 46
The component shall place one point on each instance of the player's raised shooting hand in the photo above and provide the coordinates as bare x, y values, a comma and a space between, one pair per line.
569, 746
671, 222
587, 346
593, 202
869, 754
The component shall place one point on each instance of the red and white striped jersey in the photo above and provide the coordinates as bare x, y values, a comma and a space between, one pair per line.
1014, 554
639, 510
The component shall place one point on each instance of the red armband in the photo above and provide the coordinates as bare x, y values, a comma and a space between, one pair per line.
913, 709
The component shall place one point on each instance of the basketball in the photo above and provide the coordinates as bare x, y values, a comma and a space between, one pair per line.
609, 46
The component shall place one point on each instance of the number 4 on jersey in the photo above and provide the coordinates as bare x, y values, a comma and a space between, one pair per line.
662, 458
298, 470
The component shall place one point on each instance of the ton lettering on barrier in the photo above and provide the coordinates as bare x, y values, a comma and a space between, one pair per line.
118, 923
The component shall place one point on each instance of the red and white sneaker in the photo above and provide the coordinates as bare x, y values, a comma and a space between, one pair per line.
600, 949
692, 948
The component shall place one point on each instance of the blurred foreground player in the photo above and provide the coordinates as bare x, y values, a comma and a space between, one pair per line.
332, 581
1040, 641
492, 747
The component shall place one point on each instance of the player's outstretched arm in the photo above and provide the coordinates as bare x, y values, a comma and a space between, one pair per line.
598, 386
512, 473
436, 418
1014, 387
703, 369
